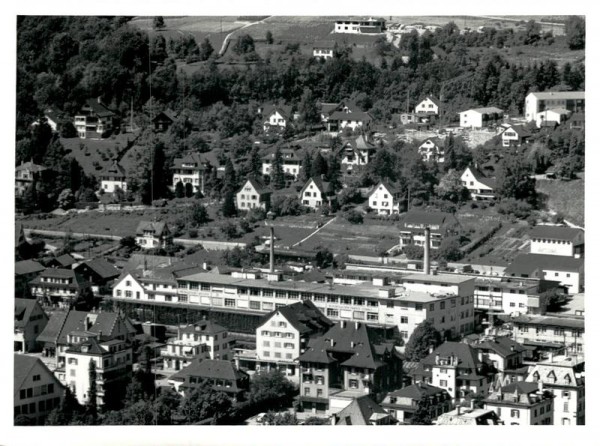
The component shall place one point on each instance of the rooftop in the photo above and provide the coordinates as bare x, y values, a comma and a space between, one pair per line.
559, 95
528, 263
564, 233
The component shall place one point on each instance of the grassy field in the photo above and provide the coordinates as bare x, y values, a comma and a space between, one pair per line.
525, 55
95, 155
566, 197
503, 247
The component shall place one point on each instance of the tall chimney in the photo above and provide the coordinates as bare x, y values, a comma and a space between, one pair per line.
426, 250
272, 251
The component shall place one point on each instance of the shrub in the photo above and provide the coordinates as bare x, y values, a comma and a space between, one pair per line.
354, 217
193, 233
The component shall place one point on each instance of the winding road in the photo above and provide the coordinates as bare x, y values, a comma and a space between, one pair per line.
228, 36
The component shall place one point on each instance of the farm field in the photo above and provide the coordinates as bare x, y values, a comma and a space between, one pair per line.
503, 247
566, 197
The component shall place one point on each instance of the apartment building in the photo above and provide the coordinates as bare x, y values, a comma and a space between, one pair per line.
536, 102
291, 161
564, 376
550, 332
522, 404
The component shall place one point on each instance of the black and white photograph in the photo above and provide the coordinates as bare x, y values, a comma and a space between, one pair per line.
299, 220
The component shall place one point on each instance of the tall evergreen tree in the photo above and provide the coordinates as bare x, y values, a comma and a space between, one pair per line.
206, 49
76, 174
159, 177
229, 179
334, 172
254, 164
319, 166
277, 173
305, 172
228, 208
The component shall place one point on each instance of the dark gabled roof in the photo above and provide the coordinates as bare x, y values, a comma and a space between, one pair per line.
210, 368
467, 356
304, 316
501, 345
61, 273
417, 391
66, 260
101, 267
481, 177
114, 170
520, 130
323, 186
28, 267
427, 218
433, 99
554, 232
157, 227
350, 116
393, 189
360, 412
169, 114
90, 346
257, 184
30, 166
197, 159
23, 309
98, 108
485, 110
327, 45
329, 107
528, 263
521, 387
435, 140
23, 366
204, 327
284, 110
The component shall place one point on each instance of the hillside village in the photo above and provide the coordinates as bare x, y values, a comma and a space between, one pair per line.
279, 230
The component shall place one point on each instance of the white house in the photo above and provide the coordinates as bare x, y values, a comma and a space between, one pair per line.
477, 118
552, 117
324, 50
276, 117
429, 106
360, 26
189, 169
514, 135
522, 404
316, 193
569, 271
152, 234
385, 199
432, 150
412, 231
557, 240
94, 120
339, 120
253, 194
480, 186
113, 177
292, 161
536, 102
357, 152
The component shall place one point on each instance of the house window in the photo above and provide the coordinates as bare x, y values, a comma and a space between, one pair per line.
353, 383
443, 383
372, 316
332, 312
307, 391
230, 302
403, 319
515, 413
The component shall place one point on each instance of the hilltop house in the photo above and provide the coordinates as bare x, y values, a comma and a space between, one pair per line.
36, 390
153, 234
316, 193
30, 321
514, 135
189, 169
94, 120
356, 152
113, 177
477, 118
25, 173
253, 194
429, 105
412, 231
536, 102
557, 240
432, 150
324, 50
363, 25
480, 187
385, 199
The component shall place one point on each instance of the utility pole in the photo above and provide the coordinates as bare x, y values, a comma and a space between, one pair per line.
151, 117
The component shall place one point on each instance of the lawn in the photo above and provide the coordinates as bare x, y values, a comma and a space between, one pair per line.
566, 197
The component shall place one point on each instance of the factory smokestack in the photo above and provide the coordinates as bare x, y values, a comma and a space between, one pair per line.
426, 250
272, 251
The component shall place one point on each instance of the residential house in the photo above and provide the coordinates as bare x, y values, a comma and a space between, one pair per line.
282, 336
403, 404
222, 374
113, 177
356, 152
30, 321
349, 356
430, 105
536, 102
557, 240
339, 120
58, 286
456, 368
153, 234
577, 121
363, 25
522, 404
113, 360
412, 231
25, 173
62, 261
277, 117
163, 120
189, 169
432, 150
94, 120
99, 272
462, 416
550, 332
205, 339
324, 50
552, 117
292, 161
316, 193
385, 199
363, 411
36, 390
107, 325
52, 118
477, 118
569, 271
26, 271
564, 376
479, 185
253, 194
501, 352
515, 136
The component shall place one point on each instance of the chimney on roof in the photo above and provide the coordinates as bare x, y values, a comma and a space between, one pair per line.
272, 251
426, 264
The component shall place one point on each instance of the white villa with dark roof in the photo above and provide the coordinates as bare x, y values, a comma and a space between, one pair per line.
324, 50
153, 234
432, 150
514, 135
479, 186
94, 120
430, 105
113, 177
357, 152
477, 118
292, 161
385, 199
189, 169
316, 193
253, 194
